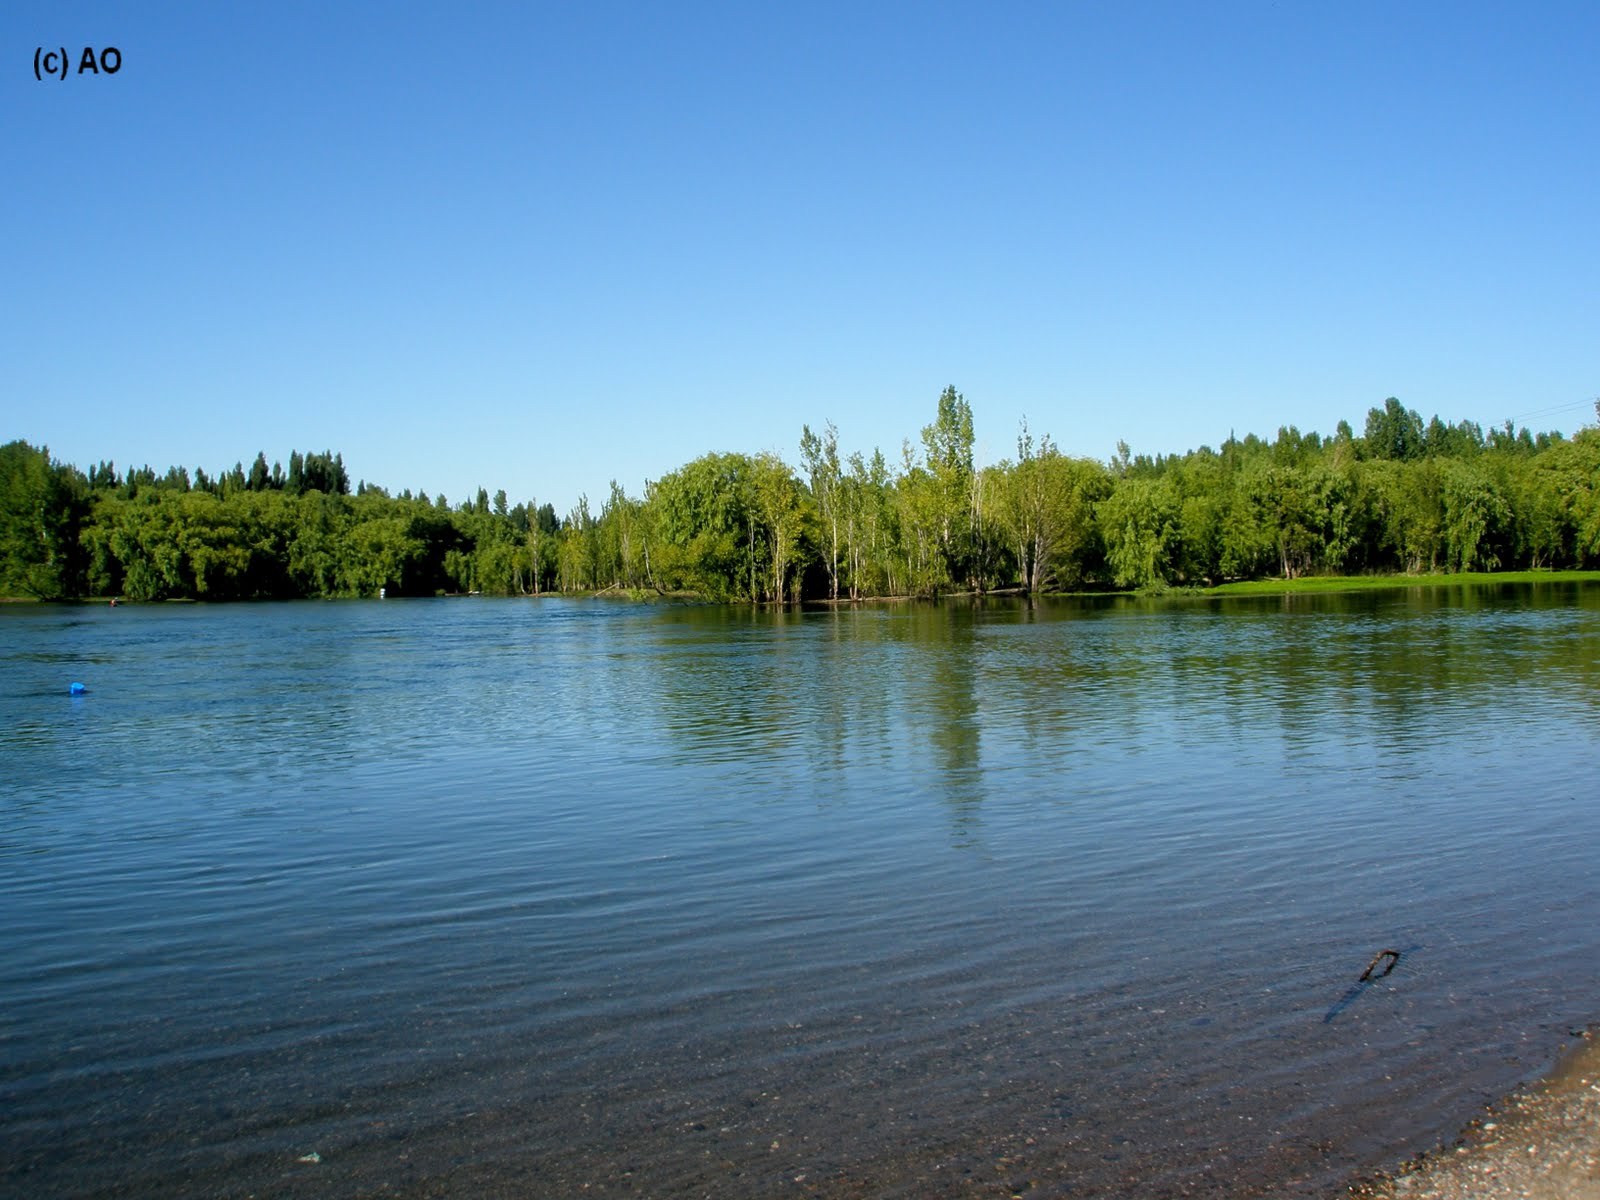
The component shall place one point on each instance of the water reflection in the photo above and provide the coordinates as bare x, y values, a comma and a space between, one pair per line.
965, 701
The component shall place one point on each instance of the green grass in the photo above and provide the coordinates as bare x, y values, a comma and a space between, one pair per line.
1354, 583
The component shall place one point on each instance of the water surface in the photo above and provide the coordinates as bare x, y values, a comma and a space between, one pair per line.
537, 897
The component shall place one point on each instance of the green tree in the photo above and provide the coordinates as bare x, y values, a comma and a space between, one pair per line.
543, 538
868, 521
947, 446
621, 550
321, 559
1572, 476
1411, 512
921, 520
1203, 489
580, 550
1474, 515
42, 508
1137, 523
1047, 509
1394, 432
706, 528
380, 551
259, 479
775, 495
821, 458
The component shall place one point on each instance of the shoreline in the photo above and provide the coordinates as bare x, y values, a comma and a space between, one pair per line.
1311, 584
1301, 585
1541, 1142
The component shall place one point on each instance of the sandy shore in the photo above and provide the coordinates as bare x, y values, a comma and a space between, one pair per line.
1542, 1143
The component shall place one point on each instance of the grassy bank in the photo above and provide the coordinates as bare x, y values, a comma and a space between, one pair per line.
1352, 583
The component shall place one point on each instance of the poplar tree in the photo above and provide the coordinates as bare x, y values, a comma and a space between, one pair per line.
947, 446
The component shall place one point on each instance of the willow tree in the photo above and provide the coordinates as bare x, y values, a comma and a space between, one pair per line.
1138, 522
1475, 516
705, 527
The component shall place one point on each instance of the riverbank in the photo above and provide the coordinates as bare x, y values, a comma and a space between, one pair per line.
1358, 583
1540, 1143
1247, 587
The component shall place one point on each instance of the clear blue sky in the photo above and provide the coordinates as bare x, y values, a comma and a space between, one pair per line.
540, 246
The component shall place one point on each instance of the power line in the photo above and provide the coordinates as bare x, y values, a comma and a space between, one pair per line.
1554, 408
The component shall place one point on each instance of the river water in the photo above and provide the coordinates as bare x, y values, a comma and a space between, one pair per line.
561, 897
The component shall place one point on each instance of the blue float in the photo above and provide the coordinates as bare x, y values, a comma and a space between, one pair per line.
77, 689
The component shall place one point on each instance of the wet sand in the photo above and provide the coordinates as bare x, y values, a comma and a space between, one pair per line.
1541, 1143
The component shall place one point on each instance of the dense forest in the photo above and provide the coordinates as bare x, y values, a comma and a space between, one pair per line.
1403, 496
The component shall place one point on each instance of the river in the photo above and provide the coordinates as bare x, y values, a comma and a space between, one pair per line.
557, 897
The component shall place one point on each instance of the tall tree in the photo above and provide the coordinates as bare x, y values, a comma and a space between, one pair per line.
1047, 509
776, 496
1394, 432
947, 446
259, 478
821, 457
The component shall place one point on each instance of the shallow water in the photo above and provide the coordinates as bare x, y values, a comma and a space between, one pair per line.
534, 897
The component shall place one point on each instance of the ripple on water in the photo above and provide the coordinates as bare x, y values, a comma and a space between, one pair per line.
494, 896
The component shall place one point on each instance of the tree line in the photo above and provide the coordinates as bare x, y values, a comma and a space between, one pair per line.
1402, 496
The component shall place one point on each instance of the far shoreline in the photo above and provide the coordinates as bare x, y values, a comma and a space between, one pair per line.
1301, 585
1356, 583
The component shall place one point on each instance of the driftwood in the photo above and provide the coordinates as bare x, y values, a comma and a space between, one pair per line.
1387, 957
1382, 963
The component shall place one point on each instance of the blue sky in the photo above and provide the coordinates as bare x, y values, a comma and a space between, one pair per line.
539, 246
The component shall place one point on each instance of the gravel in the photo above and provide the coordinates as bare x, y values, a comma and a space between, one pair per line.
1542, 1143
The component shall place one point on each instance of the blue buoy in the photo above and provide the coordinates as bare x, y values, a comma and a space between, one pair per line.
77, 689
